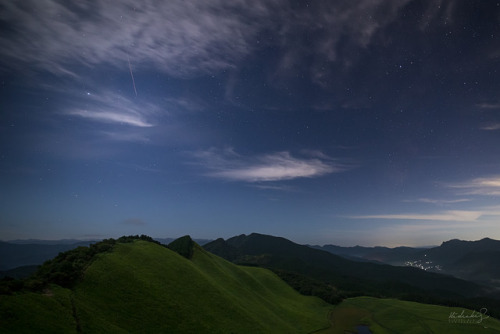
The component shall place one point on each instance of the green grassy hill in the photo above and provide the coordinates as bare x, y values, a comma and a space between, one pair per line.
397, 316
144, 287
131, 286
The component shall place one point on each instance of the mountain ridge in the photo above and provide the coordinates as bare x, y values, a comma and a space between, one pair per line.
349, 277
142, 286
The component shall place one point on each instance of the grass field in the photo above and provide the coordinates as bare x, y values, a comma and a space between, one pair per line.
37, 313
396, 316
142, 287
147, 288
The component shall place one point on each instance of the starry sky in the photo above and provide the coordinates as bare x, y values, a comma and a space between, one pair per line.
370, 122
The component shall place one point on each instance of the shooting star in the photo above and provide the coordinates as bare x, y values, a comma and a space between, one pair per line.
131, 74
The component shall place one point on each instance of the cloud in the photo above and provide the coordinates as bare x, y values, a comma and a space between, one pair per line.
134, 222
180, 37
489, 105
439, 201
191, 103
111, 116
340, 29
279, 166
275, 187
110, 107
426, 233
487, 186
100, 124
125, 137
491, 127
452, 215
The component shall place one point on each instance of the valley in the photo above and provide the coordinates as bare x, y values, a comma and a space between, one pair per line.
477, 261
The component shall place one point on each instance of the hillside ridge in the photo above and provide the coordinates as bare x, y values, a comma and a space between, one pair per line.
141, 286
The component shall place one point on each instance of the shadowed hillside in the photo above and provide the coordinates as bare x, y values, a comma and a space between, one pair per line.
293, 262
477, 261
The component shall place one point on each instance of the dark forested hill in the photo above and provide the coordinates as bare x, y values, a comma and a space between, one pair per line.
393, 256
13, 255
348, 276
477, 261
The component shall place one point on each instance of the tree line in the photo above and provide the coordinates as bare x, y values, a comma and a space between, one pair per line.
67, 267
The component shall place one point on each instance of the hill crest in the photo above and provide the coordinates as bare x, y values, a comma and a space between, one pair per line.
141, 286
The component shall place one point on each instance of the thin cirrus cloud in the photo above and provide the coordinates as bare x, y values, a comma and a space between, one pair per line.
182, 37
422, 232
275, 187
489, 105
491, 127
450, 215
439, 201
111, 116
125, 136
486, 186
228, 165
112, 108
178, 37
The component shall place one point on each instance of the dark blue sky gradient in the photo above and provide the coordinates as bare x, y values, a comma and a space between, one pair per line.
366, 122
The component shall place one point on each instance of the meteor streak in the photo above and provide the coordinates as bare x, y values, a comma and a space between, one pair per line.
131, 74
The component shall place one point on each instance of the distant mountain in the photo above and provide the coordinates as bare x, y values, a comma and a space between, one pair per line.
137, 286
21, 254
49, 242
451, 251
394, 256
472, 260
477, 261
167, 241
349, 276
19, 272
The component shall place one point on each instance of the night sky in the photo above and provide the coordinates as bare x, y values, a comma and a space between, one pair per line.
346, 122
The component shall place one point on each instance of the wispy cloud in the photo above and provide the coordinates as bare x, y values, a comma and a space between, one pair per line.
330, 23
181, 37
488, 186
185, 104
228, 165
178, 37
102, 123
275, 187
110, 107
126, 136
489, 105
429, 232
491, 127
451, 215
438, 201
111, 116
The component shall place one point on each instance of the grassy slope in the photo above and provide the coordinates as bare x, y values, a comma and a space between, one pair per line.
142, 287
396, 316
37, 313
